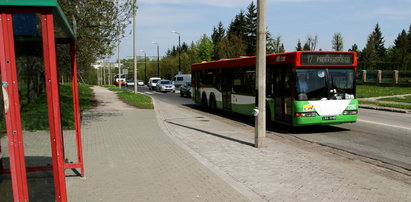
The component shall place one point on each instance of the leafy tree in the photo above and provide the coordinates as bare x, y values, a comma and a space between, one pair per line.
232, 47
98, 25
306, 46
275, 45
205, 48
337, 42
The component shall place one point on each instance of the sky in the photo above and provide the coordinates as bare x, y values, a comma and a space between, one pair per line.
293, 20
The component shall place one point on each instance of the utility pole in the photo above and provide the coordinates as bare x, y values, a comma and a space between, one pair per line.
118, 58
134, 45
179, 49
261, 74
158, 59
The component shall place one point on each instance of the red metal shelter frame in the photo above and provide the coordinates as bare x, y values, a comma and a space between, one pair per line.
12, 105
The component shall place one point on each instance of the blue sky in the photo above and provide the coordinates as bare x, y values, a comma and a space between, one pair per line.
290, 19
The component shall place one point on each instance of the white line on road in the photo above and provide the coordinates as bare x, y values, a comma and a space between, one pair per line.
384, 124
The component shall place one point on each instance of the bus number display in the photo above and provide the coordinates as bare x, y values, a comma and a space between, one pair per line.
326, 59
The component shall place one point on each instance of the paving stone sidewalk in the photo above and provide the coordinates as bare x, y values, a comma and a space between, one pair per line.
128, 157
281, 171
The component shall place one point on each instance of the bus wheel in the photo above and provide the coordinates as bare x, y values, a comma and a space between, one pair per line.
213, 105
204, 101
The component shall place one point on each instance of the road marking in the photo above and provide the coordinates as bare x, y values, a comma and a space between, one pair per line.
384, 124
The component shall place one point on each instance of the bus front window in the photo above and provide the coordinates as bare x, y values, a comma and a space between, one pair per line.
325, 84
311, 84
342, 84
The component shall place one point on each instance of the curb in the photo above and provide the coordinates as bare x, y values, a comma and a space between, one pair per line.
389, 109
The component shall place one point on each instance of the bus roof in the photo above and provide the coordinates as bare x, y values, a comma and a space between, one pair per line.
297, 58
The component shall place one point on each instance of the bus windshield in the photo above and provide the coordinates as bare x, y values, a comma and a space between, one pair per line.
325, 84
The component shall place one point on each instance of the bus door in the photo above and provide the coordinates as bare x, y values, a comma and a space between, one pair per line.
282, 93
196, 89
226, 88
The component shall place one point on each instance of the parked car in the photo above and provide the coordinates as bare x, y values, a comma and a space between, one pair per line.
130, 83
165, 86
140, 83
185, 90
152, 82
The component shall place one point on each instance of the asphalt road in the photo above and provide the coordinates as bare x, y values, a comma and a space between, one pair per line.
382, 137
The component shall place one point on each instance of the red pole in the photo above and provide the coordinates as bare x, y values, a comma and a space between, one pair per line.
12, 109
53, 102
76, 106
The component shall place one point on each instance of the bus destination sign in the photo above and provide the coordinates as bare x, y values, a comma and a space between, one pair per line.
327, 59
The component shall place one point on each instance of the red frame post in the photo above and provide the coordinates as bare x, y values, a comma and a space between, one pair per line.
12, 109
53, 101
76, 107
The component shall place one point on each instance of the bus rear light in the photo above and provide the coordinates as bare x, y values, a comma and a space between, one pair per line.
350, 112
306, 114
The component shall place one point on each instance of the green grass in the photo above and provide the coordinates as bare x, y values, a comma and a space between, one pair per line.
365, 91
385, 104
34, 115
406, 99
137, 100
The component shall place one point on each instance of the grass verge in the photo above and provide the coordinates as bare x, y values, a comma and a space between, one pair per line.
34, 115
366, 91
406, 99
385, 104
137, 100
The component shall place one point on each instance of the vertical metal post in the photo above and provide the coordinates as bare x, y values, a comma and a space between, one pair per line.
261, 74
76, 106
134, 47
12, 109
53, 102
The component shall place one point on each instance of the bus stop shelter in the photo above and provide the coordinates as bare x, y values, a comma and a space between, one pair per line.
36, 22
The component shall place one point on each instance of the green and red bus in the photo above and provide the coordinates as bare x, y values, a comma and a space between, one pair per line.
302, 87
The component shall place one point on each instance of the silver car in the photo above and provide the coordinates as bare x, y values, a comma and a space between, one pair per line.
165, 86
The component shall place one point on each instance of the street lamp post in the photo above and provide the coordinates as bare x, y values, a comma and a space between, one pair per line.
179, 49
158, 59
145, 65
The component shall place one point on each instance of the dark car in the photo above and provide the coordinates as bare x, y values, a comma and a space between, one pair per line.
185, 90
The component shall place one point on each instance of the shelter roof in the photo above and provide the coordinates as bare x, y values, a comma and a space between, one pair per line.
25, 21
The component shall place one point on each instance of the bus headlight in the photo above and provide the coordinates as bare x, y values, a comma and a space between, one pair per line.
306, 114
350, 112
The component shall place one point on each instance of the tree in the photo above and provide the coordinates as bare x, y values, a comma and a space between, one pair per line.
311, 43
275, 45
251, 29
217, 35
401, 49
232, 47
205, 48
299, 47
379, 42
369, 53
337, 42
98, 25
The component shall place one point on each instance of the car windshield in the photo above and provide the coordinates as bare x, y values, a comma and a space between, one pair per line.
325, 84
165, 82
155, 80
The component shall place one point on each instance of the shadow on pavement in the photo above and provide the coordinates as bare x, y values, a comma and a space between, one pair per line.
213, 134
40, 183
273, 126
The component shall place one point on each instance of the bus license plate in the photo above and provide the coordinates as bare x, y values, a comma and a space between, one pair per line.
326, 118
